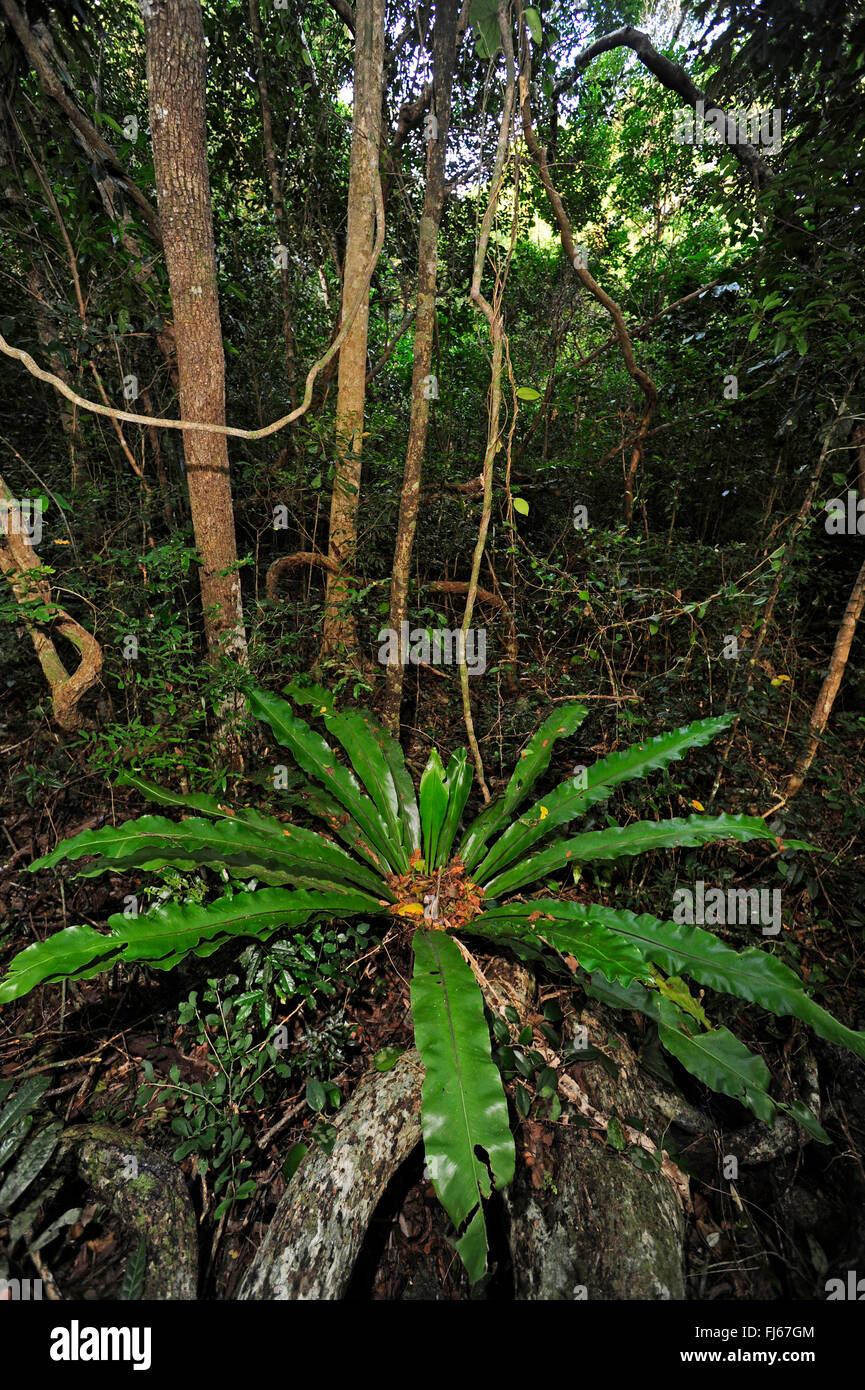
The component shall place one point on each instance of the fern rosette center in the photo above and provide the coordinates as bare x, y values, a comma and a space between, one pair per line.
446, 900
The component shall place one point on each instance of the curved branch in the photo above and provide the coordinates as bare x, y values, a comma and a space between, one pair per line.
290, 562
18, 560
670, 75
164, 423
643, 380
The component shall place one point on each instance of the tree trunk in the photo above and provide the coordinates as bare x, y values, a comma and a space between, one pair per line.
584, 1221
831, 684
176, 92
339, 627
147, 1193
447, 13
278, 207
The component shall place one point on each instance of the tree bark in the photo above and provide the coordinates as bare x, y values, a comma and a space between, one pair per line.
278, 204
339, 626
445, 42
831, 684
147, 1193
584, 1222
176, 92
315, 1237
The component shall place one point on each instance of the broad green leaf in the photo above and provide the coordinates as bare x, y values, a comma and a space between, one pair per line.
677, 991
533, 20
15, 1138
616, 1135
23, 1101
528, 393
296, 1154
464, 1110
459, 780
716, 1057
809, 1122
387, 1057
574, 797
521, 506
23, 1222
618, 841
484, 22
318, 803
591, 943
316, 1097
65, 955
411, 832
534, 759
318, 696
316, 800
723, 1062
752, 974
265, 849
355, 730
433, 806
317, 759
171, 931
45, 1237
487, 824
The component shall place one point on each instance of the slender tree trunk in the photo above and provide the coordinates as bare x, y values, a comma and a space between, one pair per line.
423, 390
176, 90
339, 627
831, 684
769, 611
278, 205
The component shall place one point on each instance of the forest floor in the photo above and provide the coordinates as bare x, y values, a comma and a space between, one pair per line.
777, 1232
